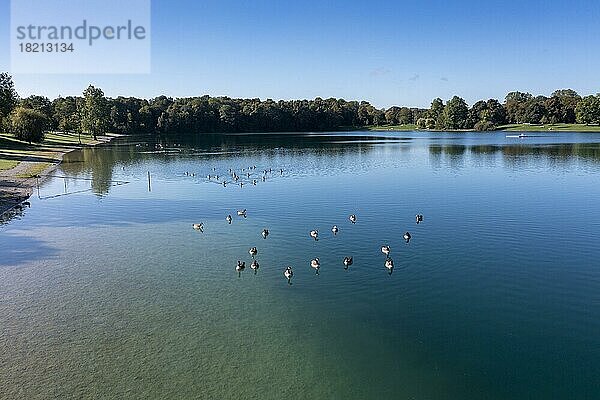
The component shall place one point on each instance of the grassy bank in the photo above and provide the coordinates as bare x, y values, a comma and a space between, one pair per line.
13, 151
550, 127
20, 162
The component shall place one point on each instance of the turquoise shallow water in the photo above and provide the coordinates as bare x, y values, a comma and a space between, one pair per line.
108, 292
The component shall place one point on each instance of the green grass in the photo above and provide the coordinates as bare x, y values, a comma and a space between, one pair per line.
7, 164
404, 127
36, 169
550, 128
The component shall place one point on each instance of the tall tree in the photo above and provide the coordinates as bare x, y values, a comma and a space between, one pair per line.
456, 113
66, 113
588, 110
515, 104
435, 113
8, 97
95, 113
569, 100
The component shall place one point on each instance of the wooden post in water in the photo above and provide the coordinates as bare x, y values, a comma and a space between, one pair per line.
149, 186
65, 180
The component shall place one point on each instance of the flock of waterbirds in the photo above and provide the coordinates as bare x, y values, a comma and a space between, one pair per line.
247, 176
314, 234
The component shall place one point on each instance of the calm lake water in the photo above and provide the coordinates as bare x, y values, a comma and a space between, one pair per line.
108, 292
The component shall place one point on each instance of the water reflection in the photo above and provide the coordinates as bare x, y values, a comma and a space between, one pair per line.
327, 152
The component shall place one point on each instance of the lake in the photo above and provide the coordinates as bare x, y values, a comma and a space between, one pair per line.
106, 291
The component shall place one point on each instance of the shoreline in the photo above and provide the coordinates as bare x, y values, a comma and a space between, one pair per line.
17, 183
549, 128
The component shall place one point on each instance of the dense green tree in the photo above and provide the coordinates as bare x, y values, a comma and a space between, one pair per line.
477, 113
436, 112
588, 110
555, 111
496, 114
456, 113
95, 113
8, 97
38, 103
569, 100
515, 104
66, 114
392, 115
405, 116
535, 111
28, 124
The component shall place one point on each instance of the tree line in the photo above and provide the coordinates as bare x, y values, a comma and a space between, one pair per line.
93, 113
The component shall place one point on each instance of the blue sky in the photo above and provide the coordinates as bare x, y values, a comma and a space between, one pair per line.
386, 52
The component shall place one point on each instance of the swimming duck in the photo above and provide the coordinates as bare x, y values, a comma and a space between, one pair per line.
242, 213
254, 266
26, 204
335, 230
198, 227
385, 250
314, 234
352, 218
228, 218
315, 264
241, 265
265, 233
419, 218
347, 262
288, 273
253, 251
406, 237
389, 264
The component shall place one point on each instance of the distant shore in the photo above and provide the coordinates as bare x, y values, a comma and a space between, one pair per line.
21, 163
507, 128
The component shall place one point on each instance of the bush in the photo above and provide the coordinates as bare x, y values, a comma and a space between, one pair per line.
28, 125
